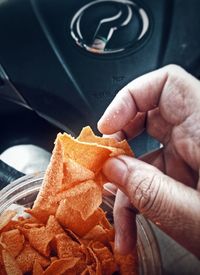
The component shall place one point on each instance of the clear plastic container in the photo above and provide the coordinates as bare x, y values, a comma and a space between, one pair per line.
24, 191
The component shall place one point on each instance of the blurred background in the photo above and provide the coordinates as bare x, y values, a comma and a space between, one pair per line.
63, 61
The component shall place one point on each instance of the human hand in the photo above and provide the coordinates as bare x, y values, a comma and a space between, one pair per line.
163, 185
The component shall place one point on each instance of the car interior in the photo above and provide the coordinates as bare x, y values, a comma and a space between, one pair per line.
62, 62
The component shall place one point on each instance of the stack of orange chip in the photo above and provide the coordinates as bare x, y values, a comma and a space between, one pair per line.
67, 232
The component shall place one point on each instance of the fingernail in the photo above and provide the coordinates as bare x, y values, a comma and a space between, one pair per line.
115, 170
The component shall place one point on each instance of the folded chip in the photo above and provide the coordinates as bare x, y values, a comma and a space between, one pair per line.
45, 204
28, 256
75, 173
93, 263
13, 241
105, 256
84, 198
128, 264
67, 247
71, 218
37, 268
92, 156
10, 264
2, 267
88, 136
5, 218
61, 266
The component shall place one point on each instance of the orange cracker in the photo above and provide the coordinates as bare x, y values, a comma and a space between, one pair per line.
53, 227
61, 266
39, 238
10, 226
28, 256
67, 248
85, 271
97, 233
84, 198
6, 217
93, 263
54, 258
14, 241
127, 263
75, 173
43, 214
91, 156
105, 256
73, 236
52, 183
10, 264
71, 218
29, 221
32, 225
2, 268
87, 135
37, 269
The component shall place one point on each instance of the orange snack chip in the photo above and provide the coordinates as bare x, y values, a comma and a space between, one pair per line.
97, 233
61, 266
6, 217
105, 257
45, 205
39, 238
13, 241
53, 227
67, 232
68, 248
93, 263
2, 267
75, 173
37, 268
84, 198
127, 263
88, 136
71, 218
10, 264
92, 156
28, 256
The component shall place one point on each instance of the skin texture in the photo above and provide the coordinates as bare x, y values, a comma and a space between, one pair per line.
163, 185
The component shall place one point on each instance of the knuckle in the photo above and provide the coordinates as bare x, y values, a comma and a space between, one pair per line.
146, 194
174, 69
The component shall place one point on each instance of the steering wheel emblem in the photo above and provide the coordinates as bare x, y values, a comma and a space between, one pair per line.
109, 26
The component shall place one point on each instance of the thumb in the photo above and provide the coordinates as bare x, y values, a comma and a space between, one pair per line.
173, 206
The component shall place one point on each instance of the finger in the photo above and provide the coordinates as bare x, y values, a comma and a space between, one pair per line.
169, 162
170, 204
132, 129
171, 88
140, 95
125, 225
118, 136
